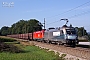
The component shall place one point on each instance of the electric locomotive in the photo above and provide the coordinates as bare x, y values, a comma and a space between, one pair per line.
64, 35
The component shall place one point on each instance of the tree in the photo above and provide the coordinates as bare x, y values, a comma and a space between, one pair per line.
33, 25
4, 30
81, 31
17, 28
22, 26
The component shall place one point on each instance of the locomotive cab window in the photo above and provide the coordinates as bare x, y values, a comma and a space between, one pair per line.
56, 33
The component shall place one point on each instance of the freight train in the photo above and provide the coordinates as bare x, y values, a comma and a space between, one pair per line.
64, 35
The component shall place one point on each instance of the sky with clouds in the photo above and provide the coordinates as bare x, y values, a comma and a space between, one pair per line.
76, 11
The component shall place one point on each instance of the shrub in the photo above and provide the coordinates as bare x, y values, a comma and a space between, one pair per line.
9, 48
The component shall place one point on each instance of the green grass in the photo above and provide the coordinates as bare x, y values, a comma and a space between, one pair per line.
30, 53
25, 52
15, 42
3, 39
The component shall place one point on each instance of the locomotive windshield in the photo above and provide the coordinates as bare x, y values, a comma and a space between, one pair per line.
70, 31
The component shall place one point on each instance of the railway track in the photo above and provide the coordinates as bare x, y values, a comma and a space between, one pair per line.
78, 51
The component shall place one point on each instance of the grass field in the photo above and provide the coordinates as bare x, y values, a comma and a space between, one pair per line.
28, 53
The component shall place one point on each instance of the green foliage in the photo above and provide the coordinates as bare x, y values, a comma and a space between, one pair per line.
33, 25
22, 26
81, 31
6, 39
6, 45
9, 48
17, 28
16, 42
4, 30
16, 51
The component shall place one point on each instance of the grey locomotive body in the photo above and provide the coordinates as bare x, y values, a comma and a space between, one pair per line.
64, 35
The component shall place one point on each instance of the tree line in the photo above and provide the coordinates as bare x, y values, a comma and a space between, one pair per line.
22, 26
28, 26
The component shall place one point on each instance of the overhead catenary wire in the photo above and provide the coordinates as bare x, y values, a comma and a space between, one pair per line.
73, 16
53, 22
80, 14
76, 15
69, 10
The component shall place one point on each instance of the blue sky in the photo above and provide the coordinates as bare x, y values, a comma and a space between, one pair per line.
11, 11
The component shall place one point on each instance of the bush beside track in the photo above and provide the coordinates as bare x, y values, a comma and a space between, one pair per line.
8, 45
